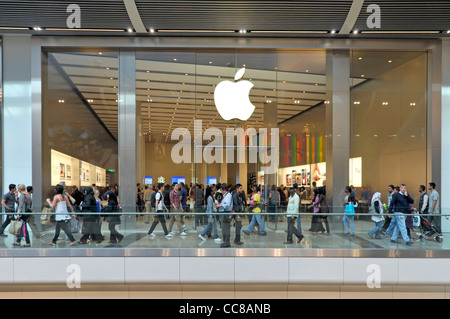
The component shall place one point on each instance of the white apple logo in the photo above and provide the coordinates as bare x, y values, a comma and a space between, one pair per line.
232, 98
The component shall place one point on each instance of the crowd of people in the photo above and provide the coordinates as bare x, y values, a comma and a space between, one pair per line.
214, 207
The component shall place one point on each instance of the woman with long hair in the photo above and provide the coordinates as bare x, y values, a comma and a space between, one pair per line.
210, 210
60, 203
349, 217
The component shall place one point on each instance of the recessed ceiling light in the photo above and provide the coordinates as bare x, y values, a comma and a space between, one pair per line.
390, 61
130, 30
362, 75
100, 53
360, 58
37, 28
175, 59
152, 30
333, 31
355, 32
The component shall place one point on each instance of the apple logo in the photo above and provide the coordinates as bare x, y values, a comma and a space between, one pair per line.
232, 98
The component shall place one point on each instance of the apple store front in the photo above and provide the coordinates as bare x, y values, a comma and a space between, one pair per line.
292, 114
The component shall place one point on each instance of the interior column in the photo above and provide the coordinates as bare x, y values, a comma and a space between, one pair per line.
127, 137
337, 126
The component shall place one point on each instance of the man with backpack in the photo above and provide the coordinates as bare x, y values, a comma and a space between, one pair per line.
160, 209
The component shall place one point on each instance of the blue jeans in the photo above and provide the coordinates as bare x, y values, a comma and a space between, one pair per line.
256, 218
299, 223
391, 226
400, 227
376, 230
212, 224
352, 223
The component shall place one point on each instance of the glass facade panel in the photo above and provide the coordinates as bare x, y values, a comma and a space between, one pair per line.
389, 126
80, 128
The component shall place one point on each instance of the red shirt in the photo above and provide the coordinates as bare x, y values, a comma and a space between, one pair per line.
175, 198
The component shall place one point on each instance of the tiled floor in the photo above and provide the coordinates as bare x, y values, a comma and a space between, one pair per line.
276, 235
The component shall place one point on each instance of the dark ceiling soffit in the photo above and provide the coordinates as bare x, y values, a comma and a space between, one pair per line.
78, 93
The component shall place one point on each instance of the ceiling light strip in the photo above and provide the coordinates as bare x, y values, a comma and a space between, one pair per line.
134, 16
301, 32
399, 32
197, 31
13, 28
91, 30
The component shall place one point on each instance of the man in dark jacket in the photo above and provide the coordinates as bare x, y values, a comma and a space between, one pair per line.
90, 217
238, 207
400, 201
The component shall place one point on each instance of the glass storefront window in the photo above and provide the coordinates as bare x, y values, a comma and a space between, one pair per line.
196, 128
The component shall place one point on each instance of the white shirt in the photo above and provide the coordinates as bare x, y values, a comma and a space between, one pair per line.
160, 197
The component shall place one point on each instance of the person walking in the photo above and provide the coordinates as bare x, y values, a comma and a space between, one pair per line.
274, 203
90, 217
113, 219
9, 201
434, 207
376, 210
349, 217
160, 217
389, 218
60, 204
424, 200
291, 214
148, 203
255, 208
23, 214
35, 227
238, 207
225, 207
324, 209
175, 207
400, 201
211, 211
316, 222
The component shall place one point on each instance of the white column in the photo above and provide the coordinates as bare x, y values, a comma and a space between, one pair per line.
17, 110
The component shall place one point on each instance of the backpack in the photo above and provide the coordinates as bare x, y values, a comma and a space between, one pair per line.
153, 200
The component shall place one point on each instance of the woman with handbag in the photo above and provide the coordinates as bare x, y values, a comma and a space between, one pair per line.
60, 204
349, 203
316, 223
24, 207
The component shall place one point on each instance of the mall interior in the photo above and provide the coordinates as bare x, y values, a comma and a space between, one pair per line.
126, 97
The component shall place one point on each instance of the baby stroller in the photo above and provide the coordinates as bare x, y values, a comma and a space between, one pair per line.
428, 231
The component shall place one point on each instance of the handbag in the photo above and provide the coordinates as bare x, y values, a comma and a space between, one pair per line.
15, 226
349, 209
46, 215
